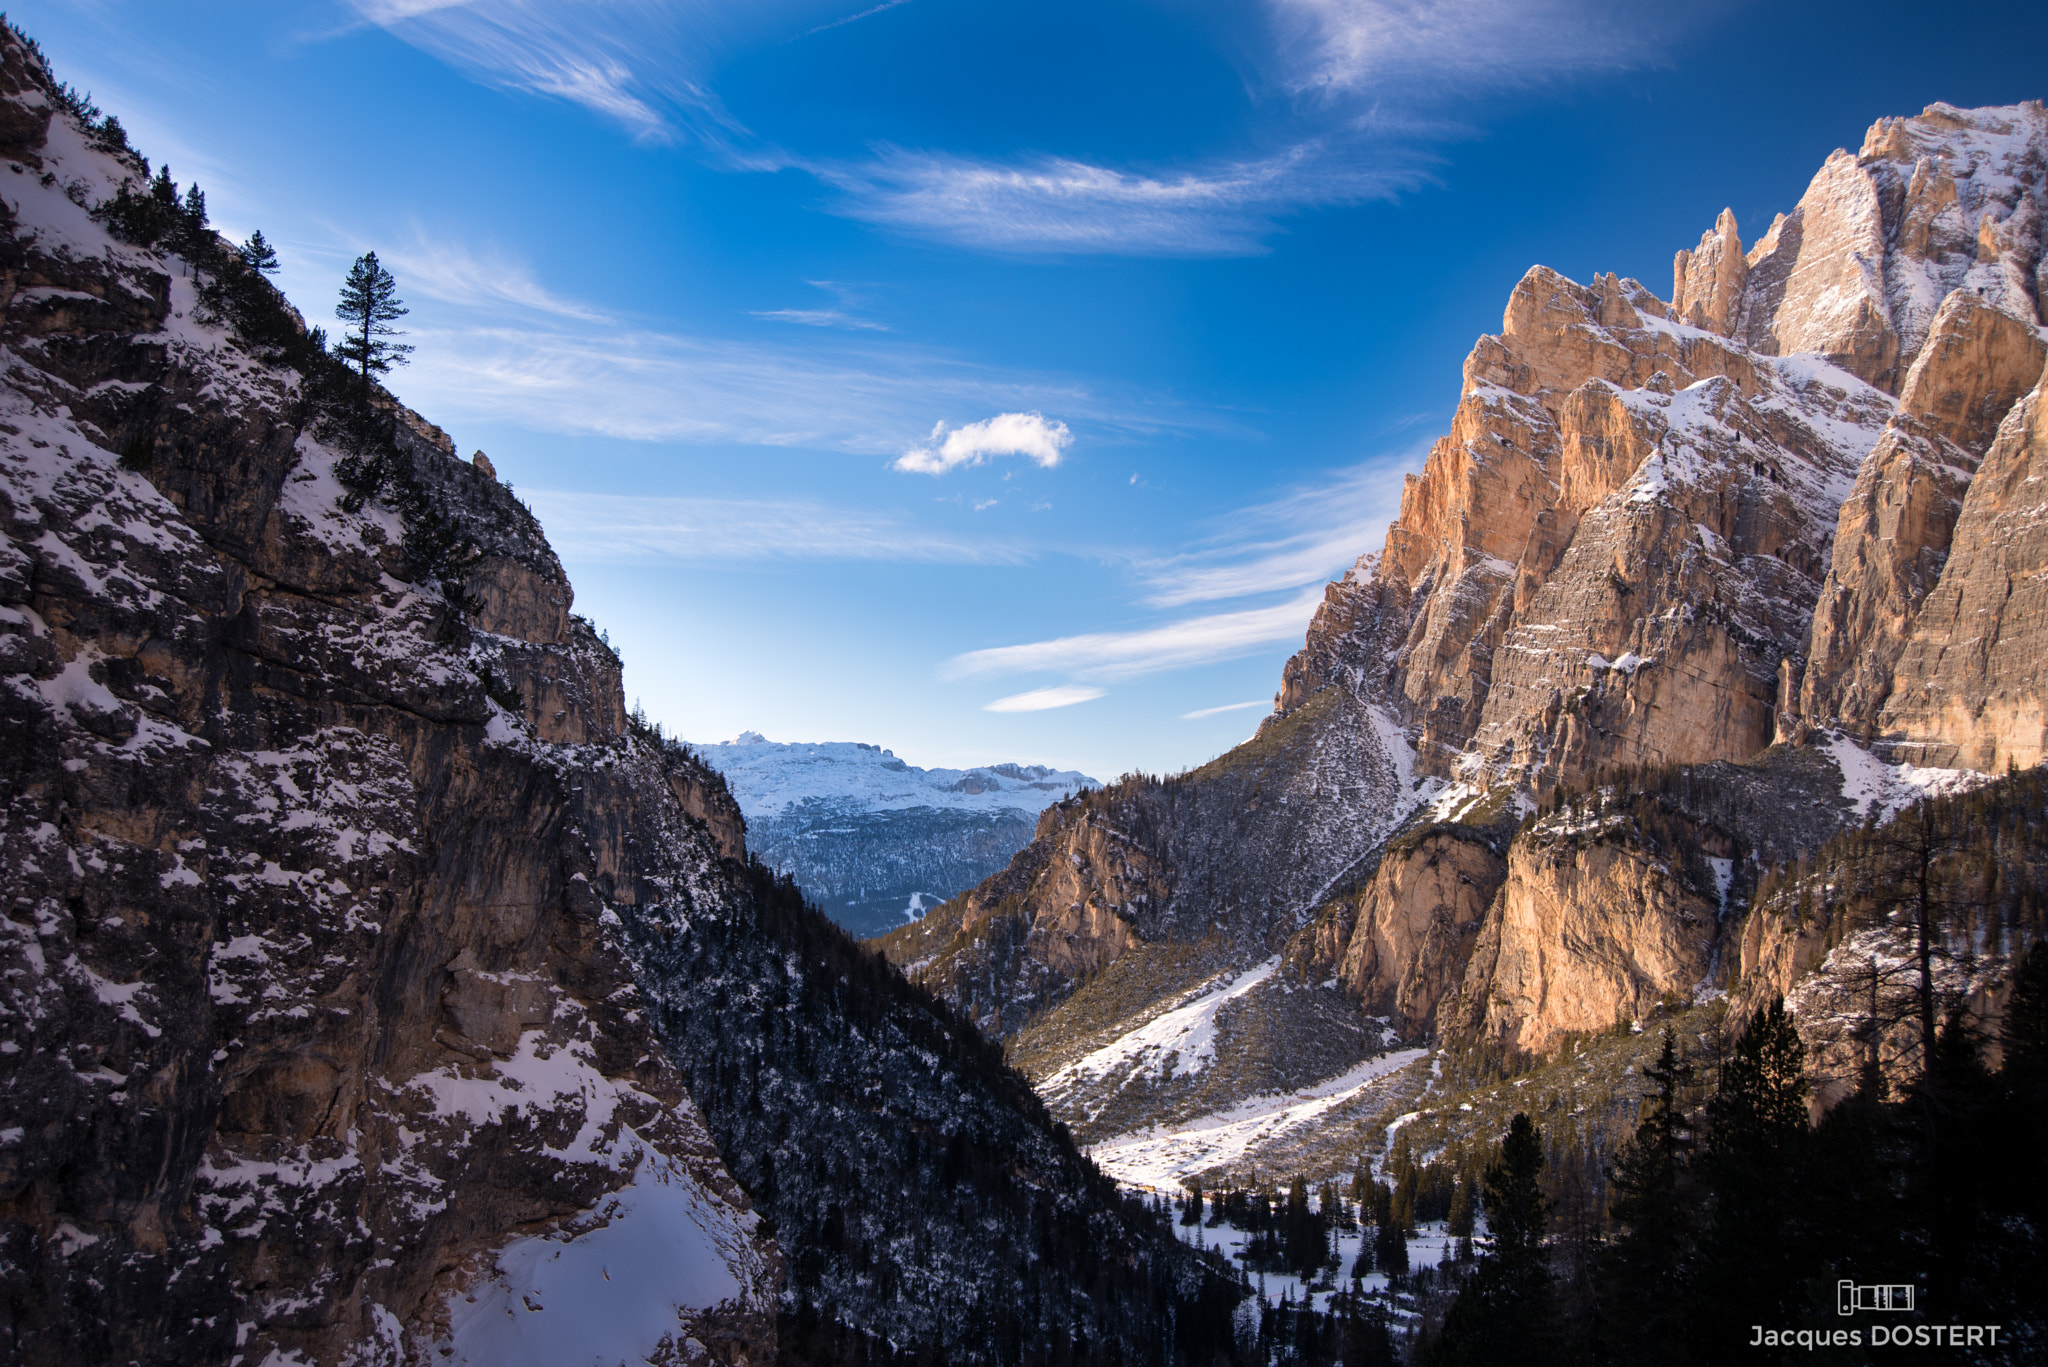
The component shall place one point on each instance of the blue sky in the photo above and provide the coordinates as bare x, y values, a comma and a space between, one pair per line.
983, 381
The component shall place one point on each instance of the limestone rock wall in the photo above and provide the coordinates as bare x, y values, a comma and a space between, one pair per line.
1605, 561
1948, 199
1400, 943
1968, 689
314, 1000
1893, 537
1594, 925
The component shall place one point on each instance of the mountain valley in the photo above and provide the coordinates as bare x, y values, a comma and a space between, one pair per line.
379, 990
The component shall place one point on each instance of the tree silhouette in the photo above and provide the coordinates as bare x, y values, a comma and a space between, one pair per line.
370, 305
1654, 1199
1508, 1311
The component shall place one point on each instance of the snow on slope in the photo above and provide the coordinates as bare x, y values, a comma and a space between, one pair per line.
1182, 1040
1160, 1157
616, 1285
1869, 782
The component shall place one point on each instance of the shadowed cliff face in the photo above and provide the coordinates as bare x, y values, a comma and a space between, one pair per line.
314, 998
374, 991
1614, 560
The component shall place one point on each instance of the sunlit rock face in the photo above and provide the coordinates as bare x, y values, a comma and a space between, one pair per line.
1967, 690
1793, 498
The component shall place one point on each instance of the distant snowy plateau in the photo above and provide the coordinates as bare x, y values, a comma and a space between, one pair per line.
874, 841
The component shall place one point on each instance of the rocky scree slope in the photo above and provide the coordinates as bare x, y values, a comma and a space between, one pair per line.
873, 840
1793, 501
350, 929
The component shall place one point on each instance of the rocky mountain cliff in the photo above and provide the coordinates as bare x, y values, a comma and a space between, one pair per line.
1793, 503
873, 840
372, 988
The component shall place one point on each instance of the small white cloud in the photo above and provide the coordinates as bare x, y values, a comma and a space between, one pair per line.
1044, 699
1202, 712
1006, 434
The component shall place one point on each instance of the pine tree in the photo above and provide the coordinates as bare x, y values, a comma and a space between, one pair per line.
1753, 1254
370, 305
1646, 1268
1507, 1311
258, 255
1462, 1213
1516, 1210
2024, 1037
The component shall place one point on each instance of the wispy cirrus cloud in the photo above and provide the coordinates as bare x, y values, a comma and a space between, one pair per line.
644, 64
841, 316
1387, 77
1417, 47
1064, 205
1357, 98
868, 13
1305, 536
650, 385
819, 318
630, 528
1045, 699
1114, 655
445, 269
1202, 712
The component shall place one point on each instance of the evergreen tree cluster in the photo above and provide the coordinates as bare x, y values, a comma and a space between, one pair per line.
1356, 1331
1288, 1233
928, 1208
1746, 1213
233, 279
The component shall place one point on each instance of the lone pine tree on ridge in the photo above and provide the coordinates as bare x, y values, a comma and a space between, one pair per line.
370, 305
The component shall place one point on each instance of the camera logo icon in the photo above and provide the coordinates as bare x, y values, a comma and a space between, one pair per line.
1850, 1298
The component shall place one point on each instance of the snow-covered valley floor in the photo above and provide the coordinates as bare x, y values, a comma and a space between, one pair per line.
1431, 1246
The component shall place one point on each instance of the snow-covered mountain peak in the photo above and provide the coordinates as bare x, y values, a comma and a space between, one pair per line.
770, 777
